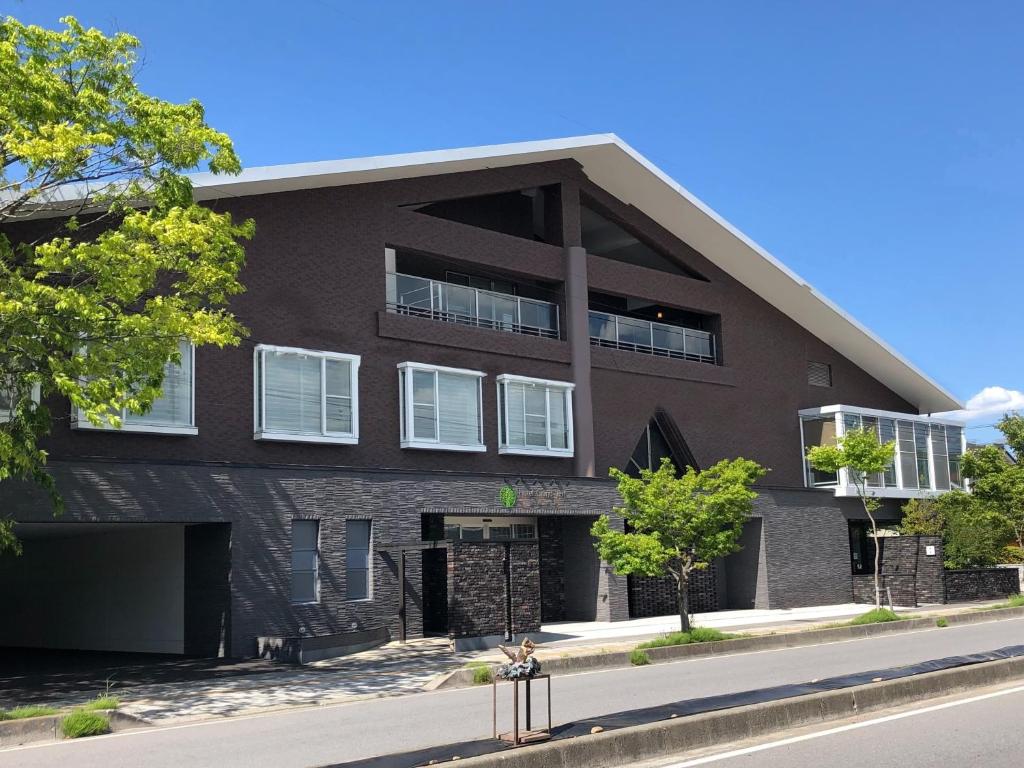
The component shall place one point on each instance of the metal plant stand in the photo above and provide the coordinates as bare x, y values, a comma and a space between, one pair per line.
518, 737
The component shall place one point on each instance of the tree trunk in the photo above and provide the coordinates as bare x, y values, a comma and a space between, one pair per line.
878, 552
683, 600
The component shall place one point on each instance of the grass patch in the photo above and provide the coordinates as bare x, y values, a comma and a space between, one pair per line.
482, 672
942, 621
876, 616
695, 635
1015, 601
639, 658
101, 702
82, 723
20, 713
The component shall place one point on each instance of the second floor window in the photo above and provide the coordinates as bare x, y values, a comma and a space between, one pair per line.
306, 396
440, 408
534, 416
174, 411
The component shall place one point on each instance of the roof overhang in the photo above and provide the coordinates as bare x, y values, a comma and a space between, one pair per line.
622, 171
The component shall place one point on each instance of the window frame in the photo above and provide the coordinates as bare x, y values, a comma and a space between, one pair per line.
80, 422
565, 388
407, 411
260, 396
369, 559
35, 396
316, 564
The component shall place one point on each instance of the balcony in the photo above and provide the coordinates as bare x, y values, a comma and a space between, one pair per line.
452, 303
651, 338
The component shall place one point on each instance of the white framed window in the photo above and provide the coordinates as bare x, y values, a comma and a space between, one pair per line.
305, 561
440, 408
358, 574
534, 416
303, 395
8, 397
173, 413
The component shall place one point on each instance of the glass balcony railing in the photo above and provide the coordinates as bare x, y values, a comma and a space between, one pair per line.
452, 303
618, 332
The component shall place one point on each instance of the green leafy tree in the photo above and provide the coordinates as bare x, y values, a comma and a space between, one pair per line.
106, 261
921, 517
973, 530
678, 524
860, 453
997, 480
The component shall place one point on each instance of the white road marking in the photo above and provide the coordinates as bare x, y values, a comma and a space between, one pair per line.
840, 729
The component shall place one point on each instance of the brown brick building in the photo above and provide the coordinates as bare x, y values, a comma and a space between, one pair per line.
447, 352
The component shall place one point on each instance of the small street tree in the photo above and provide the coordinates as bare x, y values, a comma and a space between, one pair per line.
106, 261
861, 454
676, 525
997, 480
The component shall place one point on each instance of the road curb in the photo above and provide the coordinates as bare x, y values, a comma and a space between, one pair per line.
31, 730
668, 737
463, 678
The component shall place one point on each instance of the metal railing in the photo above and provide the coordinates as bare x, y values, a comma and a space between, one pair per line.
453, 303
618, 332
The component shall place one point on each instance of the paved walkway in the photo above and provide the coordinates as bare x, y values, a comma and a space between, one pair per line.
225, 689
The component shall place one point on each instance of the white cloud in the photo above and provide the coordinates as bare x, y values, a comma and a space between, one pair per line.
991, 402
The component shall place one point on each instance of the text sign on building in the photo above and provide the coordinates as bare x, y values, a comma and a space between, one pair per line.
521, 493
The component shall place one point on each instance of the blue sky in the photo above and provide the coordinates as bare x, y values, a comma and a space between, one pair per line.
874, 147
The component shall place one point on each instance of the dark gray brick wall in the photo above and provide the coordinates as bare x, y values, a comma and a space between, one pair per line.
477, 588
981, 584
552, 569
906, 570
806, 545
656, 595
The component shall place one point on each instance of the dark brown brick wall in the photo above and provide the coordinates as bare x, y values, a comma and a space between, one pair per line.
315, 279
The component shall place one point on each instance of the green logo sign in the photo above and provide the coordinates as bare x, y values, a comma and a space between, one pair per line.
508, 496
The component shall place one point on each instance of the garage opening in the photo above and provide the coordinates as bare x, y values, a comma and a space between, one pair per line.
128, 587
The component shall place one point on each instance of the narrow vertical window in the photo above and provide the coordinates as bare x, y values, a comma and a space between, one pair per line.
907, 453
357, 559
305, 561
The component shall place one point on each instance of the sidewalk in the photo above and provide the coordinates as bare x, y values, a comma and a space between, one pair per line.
398, 669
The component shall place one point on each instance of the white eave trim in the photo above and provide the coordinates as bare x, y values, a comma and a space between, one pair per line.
828, 410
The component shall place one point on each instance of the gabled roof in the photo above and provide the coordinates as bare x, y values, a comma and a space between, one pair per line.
625, 173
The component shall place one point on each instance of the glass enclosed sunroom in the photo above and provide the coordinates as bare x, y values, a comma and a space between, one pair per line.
927, 459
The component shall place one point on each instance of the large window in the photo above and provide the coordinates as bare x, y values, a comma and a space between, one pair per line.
306, 396
357, 559
173, 412
441, 408
926, 461
9, 397
534, 416
305, 561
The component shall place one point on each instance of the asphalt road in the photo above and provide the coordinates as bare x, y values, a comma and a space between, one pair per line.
313, 737
981, 729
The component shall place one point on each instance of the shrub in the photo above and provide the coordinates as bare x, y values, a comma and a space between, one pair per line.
875, 616
1013, 554
695, 635
482, 673
83, 723
639, 658
20, 713
101, 702
942, 621
1014, 601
